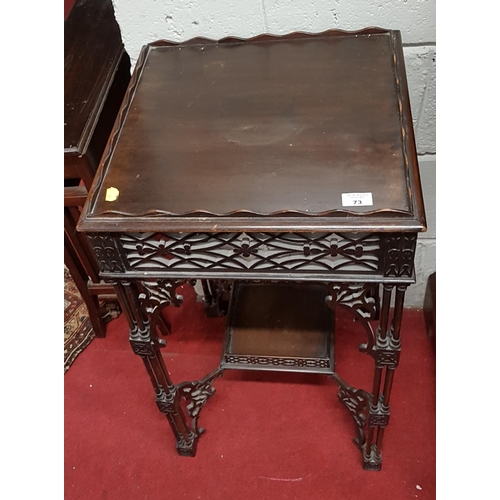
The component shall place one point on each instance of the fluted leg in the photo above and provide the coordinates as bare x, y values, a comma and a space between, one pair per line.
386, 354
371, 411
146, 344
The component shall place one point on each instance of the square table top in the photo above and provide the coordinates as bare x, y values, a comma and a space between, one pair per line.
267, 133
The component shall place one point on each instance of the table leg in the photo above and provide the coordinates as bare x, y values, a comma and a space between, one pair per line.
371, 411
142, 304
386, 353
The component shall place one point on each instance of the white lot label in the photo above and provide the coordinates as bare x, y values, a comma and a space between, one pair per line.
356, 199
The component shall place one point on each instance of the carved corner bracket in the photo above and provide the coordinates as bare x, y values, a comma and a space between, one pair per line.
361, 299
196, 395
358, 402
155, 294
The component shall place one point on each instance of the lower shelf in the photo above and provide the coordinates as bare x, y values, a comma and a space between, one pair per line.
279, 327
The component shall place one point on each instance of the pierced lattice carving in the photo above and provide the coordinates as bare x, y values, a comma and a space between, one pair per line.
271, 361
259, 252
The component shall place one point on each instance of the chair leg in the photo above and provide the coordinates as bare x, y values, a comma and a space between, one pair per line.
217, 294
80, 278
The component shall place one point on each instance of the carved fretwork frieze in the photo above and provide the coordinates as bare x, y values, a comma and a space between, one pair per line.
400, 254
253, 251
379, 413
106, 253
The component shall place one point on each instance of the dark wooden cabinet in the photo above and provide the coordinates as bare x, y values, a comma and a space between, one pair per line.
96, 75
283, 172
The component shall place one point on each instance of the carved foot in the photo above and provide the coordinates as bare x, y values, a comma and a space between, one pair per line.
166, 403
372, 460
187, 448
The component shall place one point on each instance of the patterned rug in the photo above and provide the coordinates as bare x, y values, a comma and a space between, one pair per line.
78, 331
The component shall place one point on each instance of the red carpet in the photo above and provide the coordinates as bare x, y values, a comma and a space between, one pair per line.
269, 436
68, 5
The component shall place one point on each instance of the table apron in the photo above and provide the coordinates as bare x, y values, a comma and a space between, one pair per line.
346, 257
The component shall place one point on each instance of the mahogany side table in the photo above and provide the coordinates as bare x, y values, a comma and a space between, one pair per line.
283, 170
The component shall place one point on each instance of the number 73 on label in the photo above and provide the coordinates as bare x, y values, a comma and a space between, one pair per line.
357, 199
